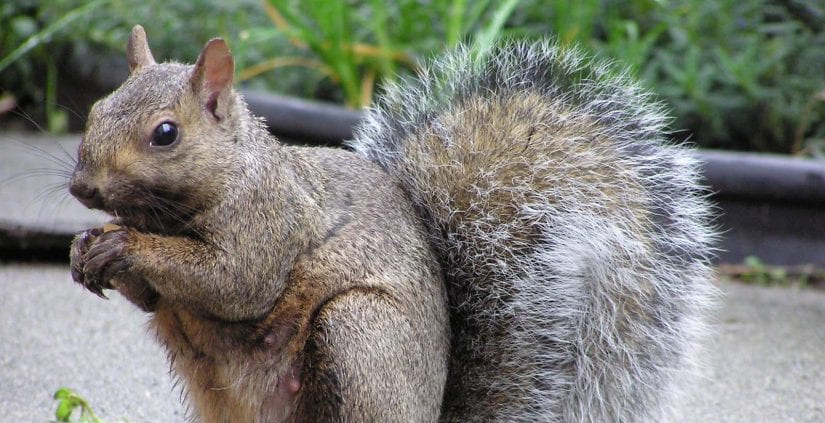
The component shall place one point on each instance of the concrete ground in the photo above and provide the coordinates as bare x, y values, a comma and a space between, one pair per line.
34, 177
54, 334
765, 363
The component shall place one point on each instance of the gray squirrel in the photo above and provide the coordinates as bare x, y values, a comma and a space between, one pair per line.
512, 239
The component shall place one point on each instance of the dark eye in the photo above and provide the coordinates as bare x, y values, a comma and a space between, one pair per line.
165, 134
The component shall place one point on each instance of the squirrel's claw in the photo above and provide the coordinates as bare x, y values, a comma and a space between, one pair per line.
106, 257
78, 249
96, 257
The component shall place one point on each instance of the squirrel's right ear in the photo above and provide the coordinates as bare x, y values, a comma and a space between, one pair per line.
212, 77
137, 50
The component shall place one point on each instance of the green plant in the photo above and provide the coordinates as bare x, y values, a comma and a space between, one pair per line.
746, 75
67, 402
356, 44
754, 271
760, 274
23, 25
815, 145
20, 26
739, 74
43, 44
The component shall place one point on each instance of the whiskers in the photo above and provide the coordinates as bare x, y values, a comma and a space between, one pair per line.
36, 175
58, 118
167, 211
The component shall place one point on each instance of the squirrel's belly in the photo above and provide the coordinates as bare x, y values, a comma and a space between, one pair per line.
248, 385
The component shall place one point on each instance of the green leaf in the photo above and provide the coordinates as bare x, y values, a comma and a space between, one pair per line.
64, 410
44, 35
63, 393
485, 38
454, 22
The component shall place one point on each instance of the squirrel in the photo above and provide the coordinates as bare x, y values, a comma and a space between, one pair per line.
510, 236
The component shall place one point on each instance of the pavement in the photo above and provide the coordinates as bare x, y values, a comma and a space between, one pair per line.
54, 334
34, 177
764, 363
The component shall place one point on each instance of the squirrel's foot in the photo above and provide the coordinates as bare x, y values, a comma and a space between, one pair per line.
80, 246
97, 256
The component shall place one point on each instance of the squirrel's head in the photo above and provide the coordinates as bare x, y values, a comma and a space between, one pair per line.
161, 144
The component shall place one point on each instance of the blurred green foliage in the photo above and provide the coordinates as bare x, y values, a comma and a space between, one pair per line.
738, 74
358, 44
95, 40
743, 75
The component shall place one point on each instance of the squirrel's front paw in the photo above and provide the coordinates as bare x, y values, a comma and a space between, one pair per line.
80, 246
97, 256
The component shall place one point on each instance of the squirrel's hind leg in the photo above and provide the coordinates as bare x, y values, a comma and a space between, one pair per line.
364, 362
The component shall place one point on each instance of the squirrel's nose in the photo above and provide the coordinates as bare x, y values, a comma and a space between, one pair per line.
86, 193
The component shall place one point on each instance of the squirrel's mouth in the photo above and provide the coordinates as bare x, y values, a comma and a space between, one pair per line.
151, 220
152, 211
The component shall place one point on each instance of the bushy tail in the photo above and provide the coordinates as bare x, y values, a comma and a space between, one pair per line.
574, 239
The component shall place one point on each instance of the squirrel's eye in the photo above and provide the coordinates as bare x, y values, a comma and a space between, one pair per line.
165, 134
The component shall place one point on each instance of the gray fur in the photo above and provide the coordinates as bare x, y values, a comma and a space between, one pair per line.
575, 238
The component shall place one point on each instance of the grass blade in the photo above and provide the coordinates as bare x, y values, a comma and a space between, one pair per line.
45, 34
488, 36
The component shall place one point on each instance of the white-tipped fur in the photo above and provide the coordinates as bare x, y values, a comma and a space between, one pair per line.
575, 238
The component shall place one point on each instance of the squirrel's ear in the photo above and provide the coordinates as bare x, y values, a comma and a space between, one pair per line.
212, 77
137, 50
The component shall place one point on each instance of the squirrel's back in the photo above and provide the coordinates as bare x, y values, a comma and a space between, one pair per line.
575, 239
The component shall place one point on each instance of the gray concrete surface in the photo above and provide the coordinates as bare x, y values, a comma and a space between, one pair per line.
54, 334
34, 176
766, 362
